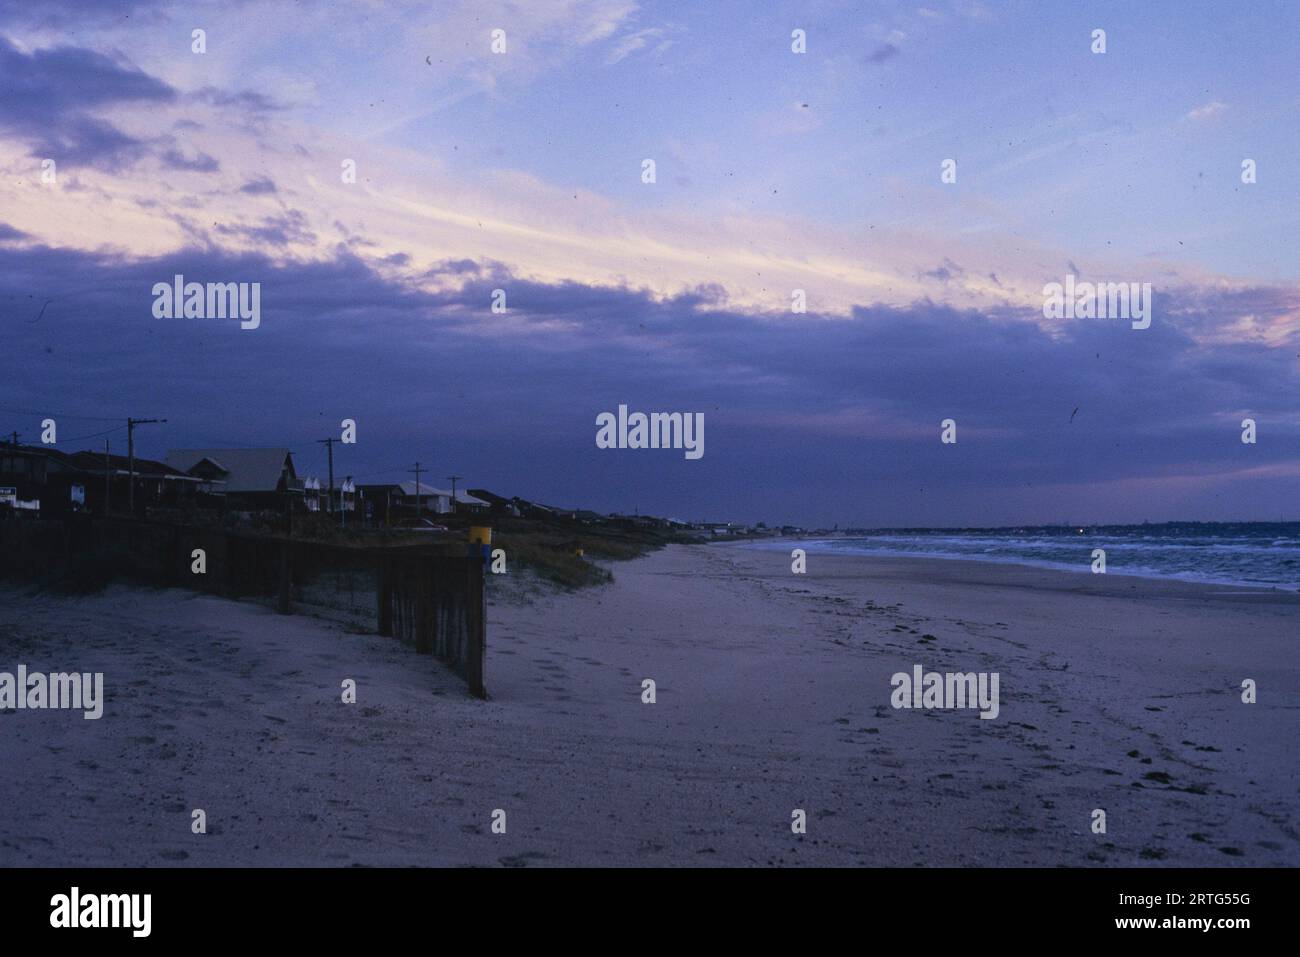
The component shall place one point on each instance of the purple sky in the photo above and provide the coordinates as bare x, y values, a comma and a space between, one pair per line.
775, 171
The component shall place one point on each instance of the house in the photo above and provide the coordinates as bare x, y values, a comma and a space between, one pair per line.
157, 484
345, 497
497, 504
53, 483
393, 500
466, 502
247, 478
39, 479
534, 510
311, 494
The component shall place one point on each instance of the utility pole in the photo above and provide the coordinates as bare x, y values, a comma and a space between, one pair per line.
15, 438
107, 474
416, 470
130, 458
329, 444
453, 478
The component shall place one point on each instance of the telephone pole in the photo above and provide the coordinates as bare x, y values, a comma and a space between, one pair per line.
107, 474
416, 470
130, 459
452, 479
15, 438
329, 444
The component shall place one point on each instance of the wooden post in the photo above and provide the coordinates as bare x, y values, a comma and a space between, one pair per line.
283, 605
476, 613
384, 595
178, 563
426, 606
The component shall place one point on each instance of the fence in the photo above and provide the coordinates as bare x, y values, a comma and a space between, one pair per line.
422, 595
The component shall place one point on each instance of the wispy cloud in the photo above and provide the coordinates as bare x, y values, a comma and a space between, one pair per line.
1209, 111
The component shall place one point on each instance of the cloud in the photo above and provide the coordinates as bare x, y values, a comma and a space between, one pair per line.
48, 99
260, 186
1209, 111
286, 229
512, 397
886, 51
245, 100
948, 270
199, 163
58, 14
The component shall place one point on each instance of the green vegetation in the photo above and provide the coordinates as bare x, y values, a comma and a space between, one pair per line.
550, 550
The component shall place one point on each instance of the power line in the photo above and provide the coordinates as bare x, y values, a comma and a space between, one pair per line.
96, 435
62, 415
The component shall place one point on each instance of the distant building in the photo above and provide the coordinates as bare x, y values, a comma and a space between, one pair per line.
157, 484
393, 500
248, 478
39, 480
497, 504
311, 494
53, 483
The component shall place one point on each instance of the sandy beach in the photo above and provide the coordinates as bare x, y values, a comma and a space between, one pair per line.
773, 693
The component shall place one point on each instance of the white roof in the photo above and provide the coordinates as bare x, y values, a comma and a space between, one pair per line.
408, 488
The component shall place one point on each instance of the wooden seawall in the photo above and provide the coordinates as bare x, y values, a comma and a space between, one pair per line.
432, 598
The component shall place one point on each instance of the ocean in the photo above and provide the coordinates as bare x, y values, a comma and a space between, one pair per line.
1260, 554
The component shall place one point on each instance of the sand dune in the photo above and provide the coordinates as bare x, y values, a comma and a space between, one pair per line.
773, 693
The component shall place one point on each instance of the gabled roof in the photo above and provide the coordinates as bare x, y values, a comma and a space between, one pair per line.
63, 458
94, 462
247, 470
408, 488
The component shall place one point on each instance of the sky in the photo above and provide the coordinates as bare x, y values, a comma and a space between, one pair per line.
128, 157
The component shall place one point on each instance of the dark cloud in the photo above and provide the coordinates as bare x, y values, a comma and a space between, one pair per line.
245, 100
458, 267
258, 187
48, 99
289, 227
886, 51
200, 162
945, 271
811, 419
9, 234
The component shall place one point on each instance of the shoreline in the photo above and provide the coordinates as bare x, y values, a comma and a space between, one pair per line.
779, 544
773, 694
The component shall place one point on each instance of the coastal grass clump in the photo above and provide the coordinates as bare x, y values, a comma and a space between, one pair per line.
553, 560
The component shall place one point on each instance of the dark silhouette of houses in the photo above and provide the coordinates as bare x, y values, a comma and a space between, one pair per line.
108, 478
40, 480
44, 481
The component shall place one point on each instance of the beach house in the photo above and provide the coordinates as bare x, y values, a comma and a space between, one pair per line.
247, 478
